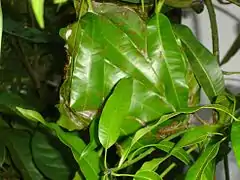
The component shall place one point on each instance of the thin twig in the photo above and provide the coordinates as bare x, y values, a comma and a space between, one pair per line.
173, 165
27, 65
230, 73
234, 2
214, 28
200, 119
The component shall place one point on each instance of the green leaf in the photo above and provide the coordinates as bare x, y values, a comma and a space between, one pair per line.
209, 171
196, 171
197, 134
167, 61
235, 138
114, 112
203, 63
48, 157
146, 175
38, 10
18, 144
77, 176
89, 163
146, 106
152, 165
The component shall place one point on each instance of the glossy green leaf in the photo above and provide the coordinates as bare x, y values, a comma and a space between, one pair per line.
235, 138
209, 171
167, 61
114, 112
48, 157
18, 144
38, 10
146, 175
77, 176
89, 163
146, 106
152, 165
203, 63
196, 171
197, 134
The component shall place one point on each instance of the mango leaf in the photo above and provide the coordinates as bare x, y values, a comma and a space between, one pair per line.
197, 134
48, 158
89, 163
209, 171
38, 10
114, 112
196, 171
146, 106
18, 143
167, 61
77, 176
152, 165
235, 138
146, 175
203, 63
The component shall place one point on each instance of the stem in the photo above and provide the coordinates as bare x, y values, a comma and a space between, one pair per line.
164, 173
231, 73
128, 163
232, 51
200, 119
234, 2
89, 2
226, 167
126, 175
105, 159
36, 82
214, 28
159, 5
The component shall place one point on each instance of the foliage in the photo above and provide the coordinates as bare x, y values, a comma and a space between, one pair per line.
129, 97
